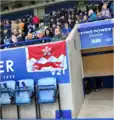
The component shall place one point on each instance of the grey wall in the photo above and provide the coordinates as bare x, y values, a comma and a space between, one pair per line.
75, 62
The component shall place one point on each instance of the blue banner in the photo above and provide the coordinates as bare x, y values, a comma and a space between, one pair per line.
14, 63
96, 34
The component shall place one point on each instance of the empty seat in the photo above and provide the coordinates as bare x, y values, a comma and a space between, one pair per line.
7, 90
24, 91
46, 90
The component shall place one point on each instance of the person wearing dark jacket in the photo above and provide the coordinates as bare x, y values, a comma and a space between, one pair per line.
48, 33
105, 13
71, 23
111, 7
58, 36
92, 16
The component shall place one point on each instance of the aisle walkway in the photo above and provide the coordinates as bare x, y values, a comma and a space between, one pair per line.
98, 105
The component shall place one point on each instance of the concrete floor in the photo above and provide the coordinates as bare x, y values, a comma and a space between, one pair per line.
98, 105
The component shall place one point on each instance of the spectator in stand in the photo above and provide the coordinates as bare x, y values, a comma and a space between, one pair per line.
58, 27
29, 36
71, 24
1, 32
58, 36
66, 30
7, 26
1, 26
105, 13
14, 26
36, 22
31, 28
41, 25
92, 16
80, 17
46, 19
26, 27
40, 34
20, 36
14, 36
98, 15
85, 19
62, 20
30, 18
53, 27
21, 25
6, 35
48, 33
112, 9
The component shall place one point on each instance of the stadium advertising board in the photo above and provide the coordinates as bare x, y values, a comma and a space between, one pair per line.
35, 62
96, 35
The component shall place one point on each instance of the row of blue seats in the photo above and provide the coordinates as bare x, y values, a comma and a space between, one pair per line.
24, 90
27, 42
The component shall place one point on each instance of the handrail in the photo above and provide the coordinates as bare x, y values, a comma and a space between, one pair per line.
28, 42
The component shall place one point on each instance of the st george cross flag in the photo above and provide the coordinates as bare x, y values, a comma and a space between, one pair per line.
51, 56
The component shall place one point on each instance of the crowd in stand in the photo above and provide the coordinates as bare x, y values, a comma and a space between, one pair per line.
56, 25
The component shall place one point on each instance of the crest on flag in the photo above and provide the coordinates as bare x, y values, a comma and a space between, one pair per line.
48, 57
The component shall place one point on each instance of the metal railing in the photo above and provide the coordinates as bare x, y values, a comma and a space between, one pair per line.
27, 42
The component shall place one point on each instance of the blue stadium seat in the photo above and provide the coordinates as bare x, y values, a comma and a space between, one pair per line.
24, 91
7, 90
46, 90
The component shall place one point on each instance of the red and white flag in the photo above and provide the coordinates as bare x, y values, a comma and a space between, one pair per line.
47, 57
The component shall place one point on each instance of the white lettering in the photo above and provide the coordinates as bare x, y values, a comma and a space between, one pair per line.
63, 71
59, 72
9, 65
53, 72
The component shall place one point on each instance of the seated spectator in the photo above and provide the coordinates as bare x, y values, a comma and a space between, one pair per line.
6, 37
92, 16
53, 27
1, 25
29, 36
62, 20
98, 15
41, 25
14, 26
40, 34
58, 36
46, 19
48, 33
21, 25
31, 28
105, 13
14, 36
112, 9
81, 17
58, 27
71, 24
7, 25
6, 33
20, 36
1, 32
66, 30
85, 18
